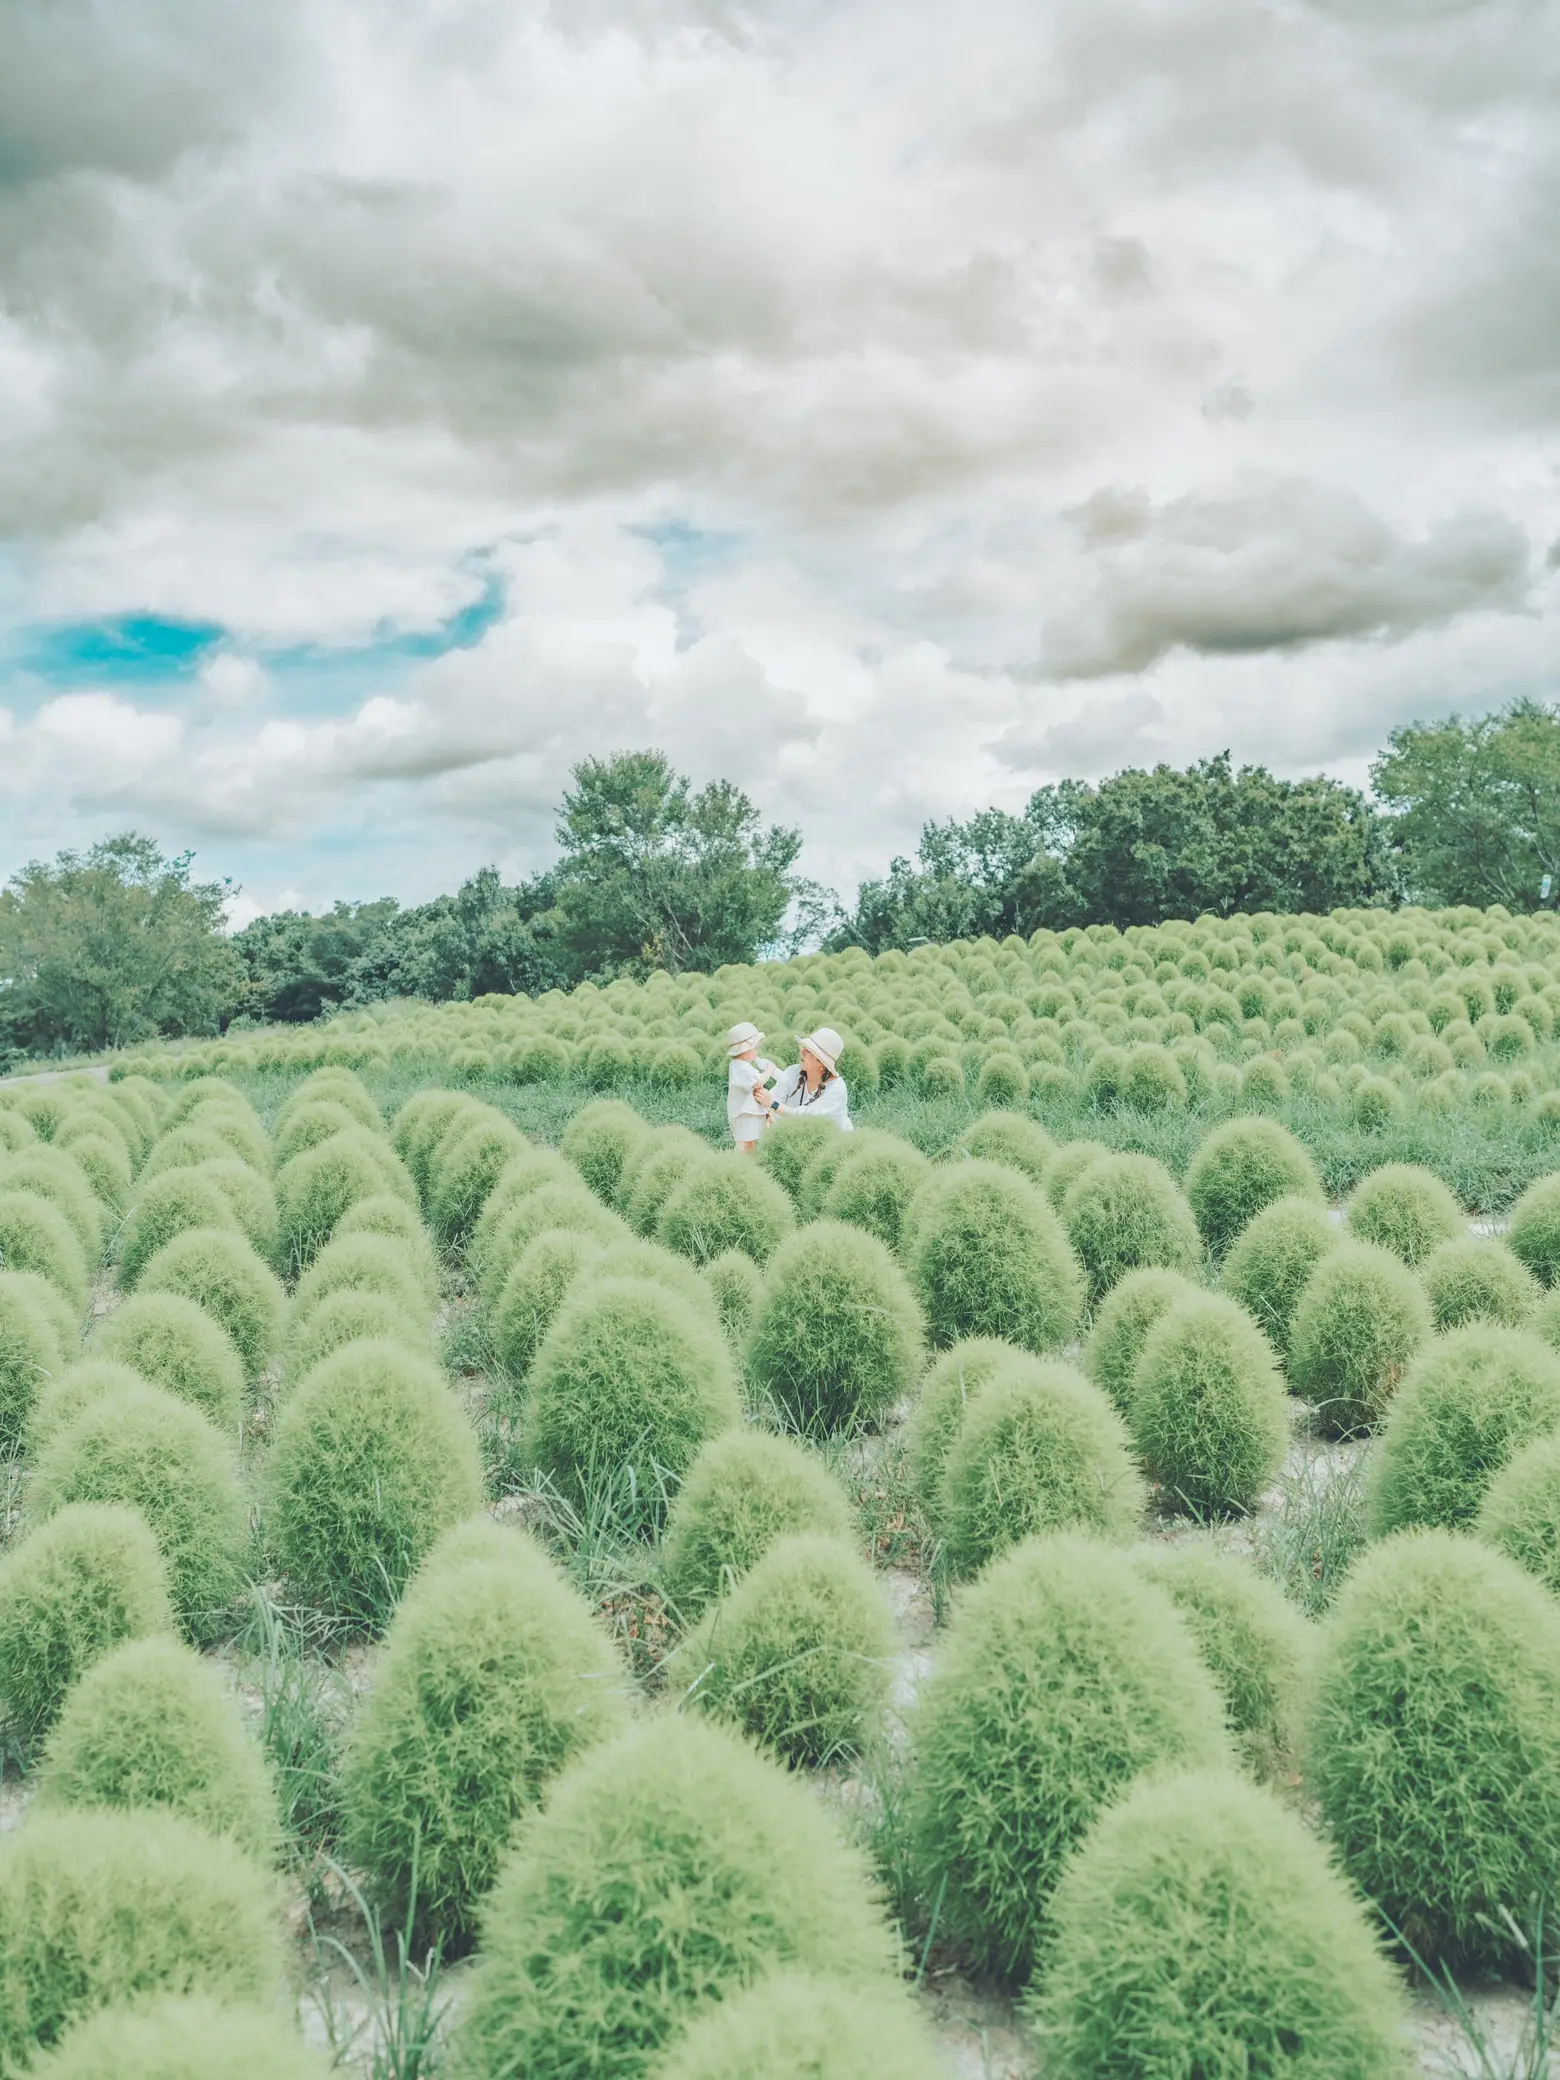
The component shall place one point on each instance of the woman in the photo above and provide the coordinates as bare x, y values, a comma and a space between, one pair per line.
813, 1088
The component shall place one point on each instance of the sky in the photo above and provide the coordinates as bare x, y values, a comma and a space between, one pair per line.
890, 407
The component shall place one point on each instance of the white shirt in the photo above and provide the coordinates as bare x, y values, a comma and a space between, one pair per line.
744, 1114
831, 1102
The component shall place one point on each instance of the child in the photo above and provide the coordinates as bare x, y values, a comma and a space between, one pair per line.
748, 1070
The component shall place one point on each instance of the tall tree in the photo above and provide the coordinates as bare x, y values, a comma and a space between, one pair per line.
112, 945
1477, 805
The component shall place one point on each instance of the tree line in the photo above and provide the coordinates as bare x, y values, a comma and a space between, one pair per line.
120, 943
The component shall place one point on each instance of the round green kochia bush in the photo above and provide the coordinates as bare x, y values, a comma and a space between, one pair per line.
1007, 1137
627, 1385
1207, 1407
1475, 1279
171, 2039
35, 1236
1201, 1929
316, 1188
1067, 1166
1469, 1401
1062, 1677
799, 1655
106, 1166
658, 1266
1254, 1643
733, 1870
656, 1172
1520, 1513
1040, 1451
1405, 1209
1121, 1326
142, 1448
1533, 1230
1435, 1741
533, 1292
219, 1271
372, 1460
836, 1338
736, 1285
421, 1124
831, 1159
305, 1126
62, 1315
350, 1317
787, 1147
873, 1190
75, 1389
802, 2026
1125, 1214
362, 1264
153, 1725
490, 1248
188, 1148
726, 1203
80, 1583
950, 1388
334, 1086
392, 1218
98, 1908
1242, 1167
743, 1492
1268, 1264
178, 1346
164, 1208
57, 1177
464, 1171
569, 1206
990, 1258
1361, 1317
30, 1353
493, 1677
600, 1140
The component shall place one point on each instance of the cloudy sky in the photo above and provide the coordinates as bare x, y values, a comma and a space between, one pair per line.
887, 404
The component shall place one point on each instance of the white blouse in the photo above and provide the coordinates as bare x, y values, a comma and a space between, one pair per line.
831, 1102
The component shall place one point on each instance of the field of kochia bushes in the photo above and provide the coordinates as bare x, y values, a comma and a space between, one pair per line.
437, 1465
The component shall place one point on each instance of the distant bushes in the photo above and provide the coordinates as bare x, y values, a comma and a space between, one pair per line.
836, 1335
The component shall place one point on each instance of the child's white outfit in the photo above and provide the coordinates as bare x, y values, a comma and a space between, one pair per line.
746, 1116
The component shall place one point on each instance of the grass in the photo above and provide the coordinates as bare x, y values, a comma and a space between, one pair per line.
397, 2032
1481, 2054
1308, 1542
303, 1707
595, 1540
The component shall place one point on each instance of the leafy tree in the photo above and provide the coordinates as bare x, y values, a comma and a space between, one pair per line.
1476, 805
112, 945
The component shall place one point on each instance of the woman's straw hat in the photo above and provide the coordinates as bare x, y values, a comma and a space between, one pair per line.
741, 1037
826, 1044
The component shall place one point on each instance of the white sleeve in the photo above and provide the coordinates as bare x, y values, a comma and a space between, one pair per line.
744, 1075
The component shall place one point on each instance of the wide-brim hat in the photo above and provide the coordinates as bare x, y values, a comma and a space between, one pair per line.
826, 1044
741, 1036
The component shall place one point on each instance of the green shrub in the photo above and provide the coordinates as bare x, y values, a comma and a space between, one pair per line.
1378, 1103
1239, 1169
464, 1171
786, 1148
1360, 1318
333, 1086
942, 1077
571, 1206
1474, 1279
1533, 1231
58, 1178
627, 1385
873, 1190
418, 1127
220, 1272
1253, 1641
35, 1237
1153, 1080
391, 1217
106, 1165
153, 1725
655, 1173
178, 1346
1469, 1400
15, 1132
799, 1655
726, 1203
76, 1586
235, 1124
362, 1264
491, 1251
795, 2023
628, 1258
1435, 1741
306, 1126
733, 1870
1040, 1451
30, 1354
1067, 1166
75, 1389
533, 1293
1201, 1930
1121, 1325
1007, 1137
744, 1490
1520, 1513
836, 1338
140, 1447
1271, 1259
831, 1159
493, 1677
1003, 1080
188, 1148
180, 2040
1062, 1677
1125, 1214
372, 1460
351, 1317
63, 1316
97, 1908
1405, 1209
989, 1258
316, 1188
250, 1199
948, 1390
168, 1206
735, 1284
599, 1142
1207, 1407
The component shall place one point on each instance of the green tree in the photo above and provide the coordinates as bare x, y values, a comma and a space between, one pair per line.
1476, 805
112, 945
